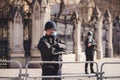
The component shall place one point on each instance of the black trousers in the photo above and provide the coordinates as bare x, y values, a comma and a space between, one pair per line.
51, 70
89, 57
27, 50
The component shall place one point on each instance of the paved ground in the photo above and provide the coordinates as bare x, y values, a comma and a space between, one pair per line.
110, 70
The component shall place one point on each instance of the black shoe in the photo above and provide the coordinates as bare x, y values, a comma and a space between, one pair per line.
86, 72
92, 72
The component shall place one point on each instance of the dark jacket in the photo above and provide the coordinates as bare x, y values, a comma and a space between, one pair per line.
89, 50
49, 48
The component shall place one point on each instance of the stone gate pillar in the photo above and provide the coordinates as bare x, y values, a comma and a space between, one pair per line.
116, 36
76, 36
45, 12
96, 22
36, 24
40, 14
107, 22
16, 29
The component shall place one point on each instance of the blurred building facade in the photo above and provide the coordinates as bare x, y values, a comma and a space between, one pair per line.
22, 24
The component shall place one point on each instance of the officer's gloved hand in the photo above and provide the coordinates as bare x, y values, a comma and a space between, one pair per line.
55, 46
94, 43
57, 50
61, 45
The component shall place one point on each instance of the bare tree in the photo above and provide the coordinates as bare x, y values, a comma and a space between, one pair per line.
62, 7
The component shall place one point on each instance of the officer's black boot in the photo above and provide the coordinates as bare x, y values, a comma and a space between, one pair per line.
91, 68
86, 66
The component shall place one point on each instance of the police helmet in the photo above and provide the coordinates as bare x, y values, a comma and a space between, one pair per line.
50, 25
90, 33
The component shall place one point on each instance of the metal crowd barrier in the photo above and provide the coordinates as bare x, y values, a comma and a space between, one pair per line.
78, 76
18, 77
112, 74
102, 75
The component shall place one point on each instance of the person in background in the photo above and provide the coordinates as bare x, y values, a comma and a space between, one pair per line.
27, 44
51, 49
89, 51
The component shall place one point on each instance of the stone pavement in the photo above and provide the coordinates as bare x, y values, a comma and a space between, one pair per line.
110, 70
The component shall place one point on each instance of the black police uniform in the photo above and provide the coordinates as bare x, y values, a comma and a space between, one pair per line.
48, 46
89, 53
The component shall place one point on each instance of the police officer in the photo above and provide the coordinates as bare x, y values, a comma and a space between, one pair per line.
51, 50
89, 51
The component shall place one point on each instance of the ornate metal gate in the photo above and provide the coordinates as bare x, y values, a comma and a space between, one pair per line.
4, 55
104, 38
65, 30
